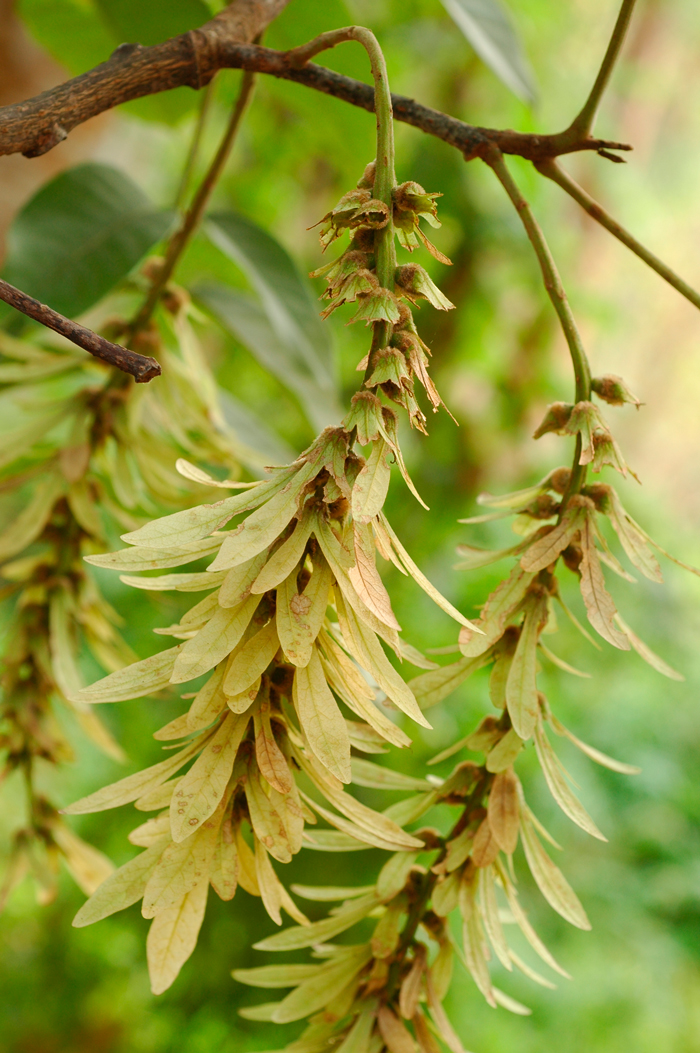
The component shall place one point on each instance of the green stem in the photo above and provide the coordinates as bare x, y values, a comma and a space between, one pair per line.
193, 151
552, 171
385, 176
555, 291
182, 236
582, 126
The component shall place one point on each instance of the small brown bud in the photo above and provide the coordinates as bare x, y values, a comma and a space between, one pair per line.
555, 419
613, 389
559, 480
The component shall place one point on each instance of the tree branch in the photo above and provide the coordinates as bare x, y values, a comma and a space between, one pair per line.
37, 125
140, 367
552, 171
582, 125
556, 293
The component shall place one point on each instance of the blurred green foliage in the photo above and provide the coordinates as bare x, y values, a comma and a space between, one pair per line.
497, 361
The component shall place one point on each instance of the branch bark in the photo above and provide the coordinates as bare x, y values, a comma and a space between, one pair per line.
141, 367
37, 125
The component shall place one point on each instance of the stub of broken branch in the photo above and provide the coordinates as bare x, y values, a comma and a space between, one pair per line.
141, 367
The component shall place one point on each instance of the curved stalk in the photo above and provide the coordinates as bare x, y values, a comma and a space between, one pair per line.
552, 171
183, 235
556, 293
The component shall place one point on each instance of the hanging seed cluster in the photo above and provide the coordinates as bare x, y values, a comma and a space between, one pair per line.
97, 453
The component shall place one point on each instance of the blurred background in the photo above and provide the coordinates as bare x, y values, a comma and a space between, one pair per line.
498, 360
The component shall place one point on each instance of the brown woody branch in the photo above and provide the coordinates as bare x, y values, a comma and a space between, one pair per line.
138, 366
37, 125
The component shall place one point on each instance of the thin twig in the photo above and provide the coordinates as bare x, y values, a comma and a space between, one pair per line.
193, 151
552, 171
181, 238
582, 126
556, 293
138, 366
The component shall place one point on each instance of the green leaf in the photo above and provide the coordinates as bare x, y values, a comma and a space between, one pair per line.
487, 26
151, 23
286, 298
80, 235
122, 888
276, 352
72, 32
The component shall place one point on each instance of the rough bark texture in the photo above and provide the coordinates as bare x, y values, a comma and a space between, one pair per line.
35, 126
132, 71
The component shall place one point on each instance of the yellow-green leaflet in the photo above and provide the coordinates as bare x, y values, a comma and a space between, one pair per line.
155, 559
592, 752
550, 880
443, 1025
504, 810
200, 791
261, 528
238, 581
491, 917
498, 608
158, 797
372, 484
555, 777
196, 582
423, 582
208, 702
282, 562
63, 656
505, 752
351, 686
432, 687
276, 975
317, 991
332, 841
173, 936
273, 823
271, 761
319, 931
180, 868
528, 971
198, 475
181, 528
397, 1037
330, 893
275, 896
320, 719
365, 773
29, 523
365, 578
645, 652
214, 642
134, 681
366, 649
545, 550
251, 661
521, 685
357, 1040
152, 831
524, 925
122, 888
223, 874
350, 829
632, 539
135, 786
300, 616
600, 608
375, 823
89, 868
475, 950
394, 874
340, 560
